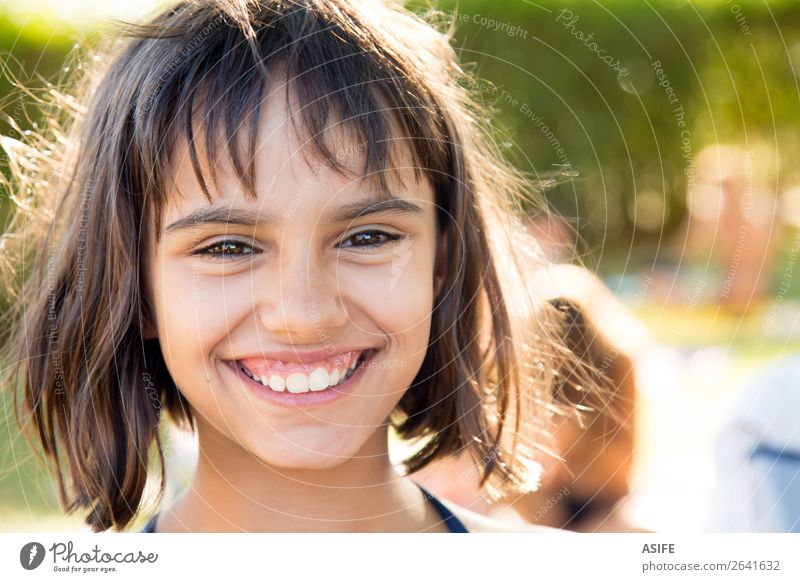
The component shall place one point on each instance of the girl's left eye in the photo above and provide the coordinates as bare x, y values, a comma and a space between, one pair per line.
368, 239
226, 250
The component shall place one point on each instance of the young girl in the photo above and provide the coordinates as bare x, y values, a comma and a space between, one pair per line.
283, 224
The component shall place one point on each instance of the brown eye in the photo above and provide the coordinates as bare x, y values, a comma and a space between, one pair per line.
371, 239
226, 250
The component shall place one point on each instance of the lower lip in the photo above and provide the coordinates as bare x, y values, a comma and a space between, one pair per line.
304, 399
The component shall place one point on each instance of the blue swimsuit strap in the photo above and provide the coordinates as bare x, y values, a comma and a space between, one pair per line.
453, 523
151, 525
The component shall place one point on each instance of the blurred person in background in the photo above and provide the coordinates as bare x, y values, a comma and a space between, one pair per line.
757, 455
731, 222
585, 478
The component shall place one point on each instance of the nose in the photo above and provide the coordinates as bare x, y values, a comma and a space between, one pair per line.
301, 300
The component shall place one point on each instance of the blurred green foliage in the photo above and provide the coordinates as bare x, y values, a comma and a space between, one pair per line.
727, 63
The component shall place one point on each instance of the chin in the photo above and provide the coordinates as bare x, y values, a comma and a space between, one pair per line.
324, 451
309, 462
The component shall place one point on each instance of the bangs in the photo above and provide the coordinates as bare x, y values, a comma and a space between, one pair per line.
216, 74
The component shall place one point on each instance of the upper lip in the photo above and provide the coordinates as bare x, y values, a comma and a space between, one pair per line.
298, 356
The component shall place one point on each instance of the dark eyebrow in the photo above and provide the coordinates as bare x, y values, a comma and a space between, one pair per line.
242, 217
354, 210
217, 215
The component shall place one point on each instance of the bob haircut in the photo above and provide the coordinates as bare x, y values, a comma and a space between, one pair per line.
91, 182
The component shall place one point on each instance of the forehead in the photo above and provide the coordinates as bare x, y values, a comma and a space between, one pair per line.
290, 167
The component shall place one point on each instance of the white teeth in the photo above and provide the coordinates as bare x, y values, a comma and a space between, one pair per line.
318, 380
297, 382
276, 382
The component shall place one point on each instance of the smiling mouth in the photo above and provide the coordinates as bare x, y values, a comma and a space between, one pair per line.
299, 382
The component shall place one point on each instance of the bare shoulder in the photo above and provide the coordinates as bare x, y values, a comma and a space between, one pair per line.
477, 523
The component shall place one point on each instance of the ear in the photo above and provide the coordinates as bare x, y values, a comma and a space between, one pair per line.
438, 267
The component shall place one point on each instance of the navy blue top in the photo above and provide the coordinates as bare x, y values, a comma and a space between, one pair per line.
453, 523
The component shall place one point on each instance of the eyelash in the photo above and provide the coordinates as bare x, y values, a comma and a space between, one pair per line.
390, 238
224, 256
217, 256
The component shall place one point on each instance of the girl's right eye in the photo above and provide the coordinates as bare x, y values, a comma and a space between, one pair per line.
225, 250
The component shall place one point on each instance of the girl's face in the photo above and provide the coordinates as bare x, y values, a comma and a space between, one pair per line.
294, 288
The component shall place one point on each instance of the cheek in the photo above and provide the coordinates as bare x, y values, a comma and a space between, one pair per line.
398, 296
397, 302
194, 315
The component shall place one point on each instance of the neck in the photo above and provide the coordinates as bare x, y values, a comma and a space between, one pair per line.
234, 491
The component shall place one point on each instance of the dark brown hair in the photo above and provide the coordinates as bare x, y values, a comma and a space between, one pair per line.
89, 187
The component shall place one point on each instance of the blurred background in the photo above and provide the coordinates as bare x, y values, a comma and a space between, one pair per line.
664, 135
